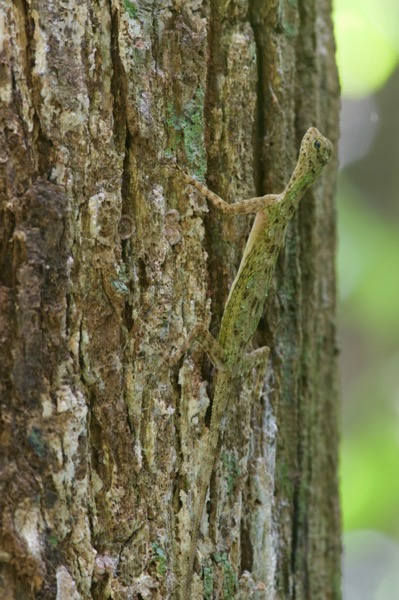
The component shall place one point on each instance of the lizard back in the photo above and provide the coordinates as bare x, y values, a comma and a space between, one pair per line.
248, 293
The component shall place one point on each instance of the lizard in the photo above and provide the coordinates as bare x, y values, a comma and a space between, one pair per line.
245, 302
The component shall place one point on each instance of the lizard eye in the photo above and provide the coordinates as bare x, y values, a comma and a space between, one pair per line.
317, 144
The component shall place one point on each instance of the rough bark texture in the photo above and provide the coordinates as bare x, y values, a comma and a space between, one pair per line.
108, 260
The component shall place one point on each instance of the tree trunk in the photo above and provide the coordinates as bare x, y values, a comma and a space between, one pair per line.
108, 260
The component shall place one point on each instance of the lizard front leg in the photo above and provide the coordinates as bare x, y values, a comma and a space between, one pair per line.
247, 206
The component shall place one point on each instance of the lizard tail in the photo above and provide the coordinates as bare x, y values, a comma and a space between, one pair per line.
189, 566
222, 394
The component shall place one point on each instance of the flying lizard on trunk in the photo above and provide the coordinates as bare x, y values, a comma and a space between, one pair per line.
245, 303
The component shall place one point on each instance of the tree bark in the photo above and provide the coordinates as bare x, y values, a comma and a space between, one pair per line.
108, 260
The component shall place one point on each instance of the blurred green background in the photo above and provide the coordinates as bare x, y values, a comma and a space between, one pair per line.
367, 36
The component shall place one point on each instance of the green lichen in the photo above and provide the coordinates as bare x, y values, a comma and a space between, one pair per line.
52, 540
131, 8
37, 442
208, 581
159, 558
283, 479
284, 25
336, 587
229, 576
188, 128
120, 287
290, 30
194, 134
173, 120
229, 460
121, 284
169, 153
174, 126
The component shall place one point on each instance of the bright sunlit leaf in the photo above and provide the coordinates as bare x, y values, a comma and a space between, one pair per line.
368, 259
367, 48
369, 481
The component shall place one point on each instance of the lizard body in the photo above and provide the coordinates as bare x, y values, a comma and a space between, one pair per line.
246, 300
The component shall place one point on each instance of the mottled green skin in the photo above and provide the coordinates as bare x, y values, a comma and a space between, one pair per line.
247, 297
249, 289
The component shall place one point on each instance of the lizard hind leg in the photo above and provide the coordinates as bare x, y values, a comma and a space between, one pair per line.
257, 359
201, 334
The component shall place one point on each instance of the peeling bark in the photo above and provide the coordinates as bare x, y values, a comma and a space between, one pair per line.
108, 260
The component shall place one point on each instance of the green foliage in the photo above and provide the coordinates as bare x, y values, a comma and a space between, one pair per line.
369, 476
368, 271
367, 260
367, 43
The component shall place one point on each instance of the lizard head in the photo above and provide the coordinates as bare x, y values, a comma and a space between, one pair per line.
314, 154
315, 151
